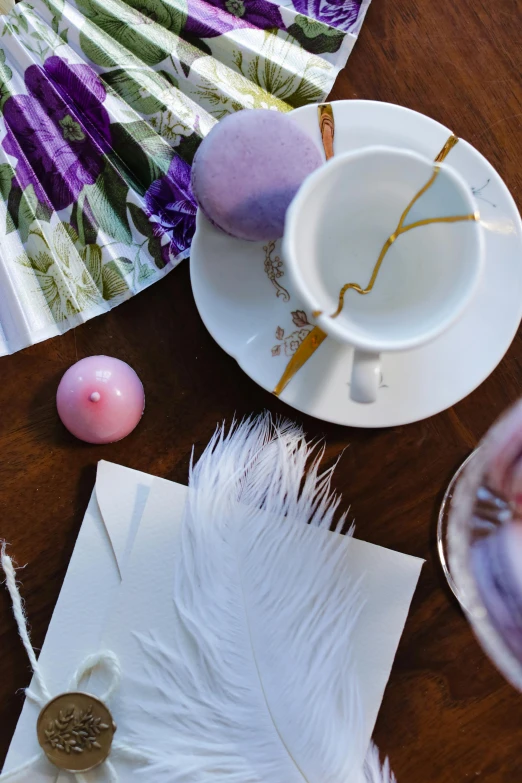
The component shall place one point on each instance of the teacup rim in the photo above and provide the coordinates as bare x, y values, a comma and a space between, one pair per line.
329, 325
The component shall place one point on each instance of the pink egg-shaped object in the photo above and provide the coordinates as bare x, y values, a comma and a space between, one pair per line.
100, 399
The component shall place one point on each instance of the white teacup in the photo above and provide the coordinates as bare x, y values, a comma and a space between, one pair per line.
336, 229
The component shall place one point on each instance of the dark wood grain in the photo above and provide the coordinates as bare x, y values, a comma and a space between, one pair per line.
447, 715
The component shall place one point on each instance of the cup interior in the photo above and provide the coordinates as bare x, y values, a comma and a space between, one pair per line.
338, 225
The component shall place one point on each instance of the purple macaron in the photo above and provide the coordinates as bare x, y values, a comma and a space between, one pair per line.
248, 169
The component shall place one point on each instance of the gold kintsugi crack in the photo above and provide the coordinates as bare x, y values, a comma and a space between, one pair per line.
317, 335
445, 151
327, 128
401, 229
310, 344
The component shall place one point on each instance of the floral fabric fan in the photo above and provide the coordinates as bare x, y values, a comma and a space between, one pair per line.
103, 105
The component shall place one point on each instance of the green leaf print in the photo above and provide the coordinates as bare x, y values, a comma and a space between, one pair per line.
107, 199
108, 278
44, 212
56, 7
146, 29
145, 273
98, 50
70, 280
62, 275
27, 212
6, 178
13, 205
169, 77
9, 224
141, 221
40, 262
92, 258
280, 76
146, 228
113, 281
227, 91
5, 76
65, 233
5, 72
125, 172
82, 217
23, 23
315, 36
171, 14
187, 147
189, 49
142, 151
139, 88
124, 265
71, 130
154, 247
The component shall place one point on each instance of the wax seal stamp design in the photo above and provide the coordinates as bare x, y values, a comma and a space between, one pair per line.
75, 731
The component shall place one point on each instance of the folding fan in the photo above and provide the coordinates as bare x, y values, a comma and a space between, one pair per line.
103, 105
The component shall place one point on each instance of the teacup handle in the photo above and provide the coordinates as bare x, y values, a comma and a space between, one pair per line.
366, 374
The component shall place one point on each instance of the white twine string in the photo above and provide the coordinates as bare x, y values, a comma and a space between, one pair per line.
104, 659
21, 621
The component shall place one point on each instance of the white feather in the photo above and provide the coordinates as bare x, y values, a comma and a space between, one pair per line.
262, 669
373, 771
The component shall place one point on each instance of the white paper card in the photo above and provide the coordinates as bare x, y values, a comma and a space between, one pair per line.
124, 560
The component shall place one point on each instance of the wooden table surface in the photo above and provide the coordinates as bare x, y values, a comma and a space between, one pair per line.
447, 715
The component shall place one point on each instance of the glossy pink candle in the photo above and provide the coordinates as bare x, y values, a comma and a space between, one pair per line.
100, 399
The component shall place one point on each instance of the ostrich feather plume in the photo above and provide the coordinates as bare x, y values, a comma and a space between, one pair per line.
262, 666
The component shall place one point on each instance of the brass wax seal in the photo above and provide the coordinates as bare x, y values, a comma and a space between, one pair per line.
75, 731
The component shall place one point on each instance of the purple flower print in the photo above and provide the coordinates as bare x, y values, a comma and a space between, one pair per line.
59, 131
341, 14
171, 208
208, 19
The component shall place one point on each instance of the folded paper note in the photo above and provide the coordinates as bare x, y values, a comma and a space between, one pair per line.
235, 628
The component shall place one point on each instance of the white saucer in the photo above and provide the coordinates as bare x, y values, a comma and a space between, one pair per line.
260, 322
